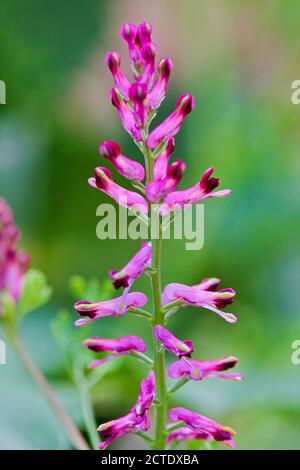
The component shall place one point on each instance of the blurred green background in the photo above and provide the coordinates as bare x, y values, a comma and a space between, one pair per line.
238, 59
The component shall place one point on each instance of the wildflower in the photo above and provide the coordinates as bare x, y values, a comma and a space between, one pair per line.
158, 189
13, 263
202, 295
171, 343
188, 434
138, 93
134, 268
113, 61
128, 168
129, 199
158, 92
136, 420
108, 308
171, 126
199, 370
198, 192
119, 346
125, 113
197, 422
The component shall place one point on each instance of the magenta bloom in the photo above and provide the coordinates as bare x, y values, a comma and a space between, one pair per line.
113, 61
126, 115
128, 168
119, 346
197, 422
158, 189
145, 398
202, 295
128, 199
140, 48
171, 343
199, 370
134, 268
137, 94
136, 420
188, 434
13, 263
179, 199
158, 92
108, 308
171, 126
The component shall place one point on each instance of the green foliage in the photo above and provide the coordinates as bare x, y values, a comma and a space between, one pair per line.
36, 293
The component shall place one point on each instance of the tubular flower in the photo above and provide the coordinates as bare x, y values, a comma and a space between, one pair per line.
129, 199
108, 308
202, 295
136, 420
13, 263
125, 113
199, 370
171, 126
171, 343
113, 61
160, 188
119, 346
158, 92
138, 93
188, 434
125, 166
177, 200
134, 268
137, 39
195, 421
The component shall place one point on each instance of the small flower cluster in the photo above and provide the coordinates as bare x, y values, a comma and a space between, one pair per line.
13, 263
137, 104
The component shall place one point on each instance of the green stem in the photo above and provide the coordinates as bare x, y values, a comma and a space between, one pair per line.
180, 383
68, 424
158, 319
87, 407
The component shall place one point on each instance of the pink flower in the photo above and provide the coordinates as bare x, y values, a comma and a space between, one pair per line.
162, 160
13, 263
179, 199
138, 94
145, 398
128, 168
134, 268
171, 126
171, 343
137, 39
128, 199
160, 188
197, 422
126, 115
113, 61
117, 428
199, 370
119, 346
108, 308
136, 420
188, 434
202, 295
158, 92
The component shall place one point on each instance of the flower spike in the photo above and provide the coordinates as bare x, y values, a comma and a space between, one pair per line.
113, 61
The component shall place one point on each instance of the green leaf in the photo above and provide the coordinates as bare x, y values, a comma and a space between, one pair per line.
7, 306
35, 293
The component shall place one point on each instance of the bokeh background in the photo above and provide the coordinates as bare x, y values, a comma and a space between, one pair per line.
238, 59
